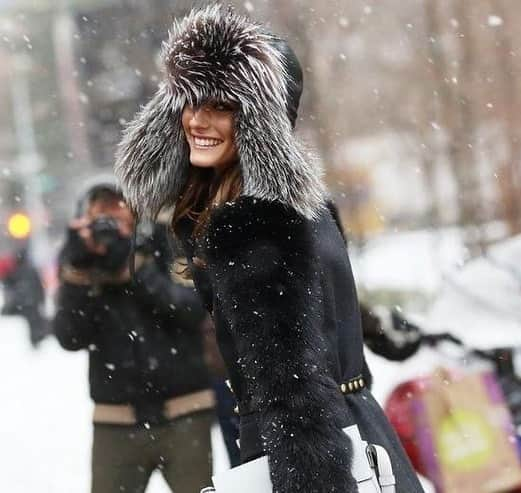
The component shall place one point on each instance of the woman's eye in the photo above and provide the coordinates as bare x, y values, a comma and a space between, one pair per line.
223, 107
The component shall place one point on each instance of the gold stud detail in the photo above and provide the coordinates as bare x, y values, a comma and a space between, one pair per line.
350, 385
343, 388
361, 382
355, 384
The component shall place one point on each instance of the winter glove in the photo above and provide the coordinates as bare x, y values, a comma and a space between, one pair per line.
396, 343
75, 251
116, 257
77, 254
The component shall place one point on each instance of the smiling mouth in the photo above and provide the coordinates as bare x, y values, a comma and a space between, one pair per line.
206, 143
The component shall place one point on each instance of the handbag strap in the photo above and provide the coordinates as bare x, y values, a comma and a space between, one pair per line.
380, 460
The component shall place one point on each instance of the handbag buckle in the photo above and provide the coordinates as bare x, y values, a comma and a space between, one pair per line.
371, 456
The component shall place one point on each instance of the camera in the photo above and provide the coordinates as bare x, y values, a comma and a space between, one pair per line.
105, 230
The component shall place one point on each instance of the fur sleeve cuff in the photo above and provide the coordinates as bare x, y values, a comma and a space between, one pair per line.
262, 258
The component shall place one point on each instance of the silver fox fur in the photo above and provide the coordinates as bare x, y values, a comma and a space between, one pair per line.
216, 54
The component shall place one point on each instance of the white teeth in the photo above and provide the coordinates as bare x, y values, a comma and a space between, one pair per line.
206, 142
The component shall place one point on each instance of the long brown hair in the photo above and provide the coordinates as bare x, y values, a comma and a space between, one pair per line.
205, 189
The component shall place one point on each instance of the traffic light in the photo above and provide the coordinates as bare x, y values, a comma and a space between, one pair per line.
19, 225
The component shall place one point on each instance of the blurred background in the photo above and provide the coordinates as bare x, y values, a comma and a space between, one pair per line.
413, 106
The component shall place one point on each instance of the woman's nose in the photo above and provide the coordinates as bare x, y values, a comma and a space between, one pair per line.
200, 118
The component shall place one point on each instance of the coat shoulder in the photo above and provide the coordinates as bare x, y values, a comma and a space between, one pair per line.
250, 221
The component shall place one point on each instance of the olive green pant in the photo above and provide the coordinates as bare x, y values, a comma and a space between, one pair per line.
124, 457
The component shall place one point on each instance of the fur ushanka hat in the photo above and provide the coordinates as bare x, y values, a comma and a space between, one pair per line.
215, 54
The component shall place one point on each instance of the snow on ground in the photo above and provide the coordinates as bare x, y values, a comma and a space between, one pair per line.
45, 417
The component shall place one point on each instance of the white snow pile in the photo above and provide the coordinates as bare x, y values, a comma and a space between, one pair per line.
409, 260
45, 433
481, 302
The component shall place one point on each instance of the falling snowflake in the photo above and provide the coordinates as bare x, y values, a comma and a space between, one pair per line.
495, 21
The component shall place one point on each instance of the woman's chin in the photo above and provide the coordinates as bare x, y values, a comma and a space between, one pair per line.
202, 161
206, 159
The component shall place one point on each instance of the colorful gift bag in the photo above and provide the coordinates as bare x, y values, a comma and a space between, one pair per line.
464, 434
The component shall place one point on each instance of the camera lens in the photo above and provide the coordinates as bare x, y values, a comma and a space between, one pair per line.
105, 230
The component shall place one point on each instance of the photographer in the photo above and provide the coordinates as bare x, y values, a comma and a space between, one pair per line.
153, 407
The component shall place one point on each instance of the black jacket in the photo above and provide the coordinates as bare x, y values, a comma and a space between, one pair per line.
143, 337
285, 307
375, 337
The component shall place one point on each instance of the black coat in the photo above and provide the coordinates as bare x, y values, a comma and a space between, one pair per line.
143, 337
285, 307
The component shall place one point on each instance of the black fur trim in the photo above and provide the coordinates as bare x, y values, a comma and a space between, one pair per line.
261, 254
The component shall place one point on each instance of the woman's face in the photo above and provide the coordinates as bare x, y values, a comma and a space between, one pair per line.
209, 132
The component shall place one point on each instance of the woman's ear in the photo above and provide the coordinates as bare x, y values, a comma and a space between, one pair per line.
152, 160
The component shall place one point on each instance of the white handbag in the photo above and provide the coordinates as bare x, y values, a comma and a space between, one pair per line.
371, 468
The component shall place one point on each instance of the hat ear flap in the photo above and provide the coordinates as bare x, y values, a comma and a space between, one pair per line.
275, 165
152, 159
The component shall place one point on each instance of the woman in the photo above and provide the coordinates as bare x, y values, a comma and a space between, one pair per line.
217, 143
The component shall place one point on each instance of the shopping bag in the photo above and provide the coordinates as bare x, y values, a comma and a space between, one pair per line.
465, 435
